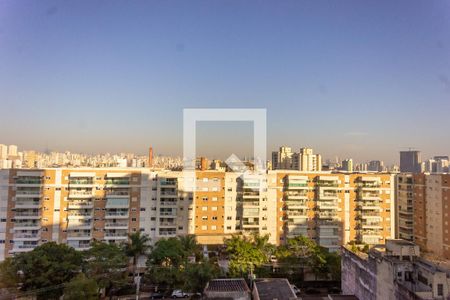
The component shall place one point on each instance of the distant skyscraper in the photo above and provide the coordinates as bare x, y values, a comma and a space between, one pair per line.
410, 161
307, 161
375, 166
347, 165
12, 150
150, 157
282, 159
3, 151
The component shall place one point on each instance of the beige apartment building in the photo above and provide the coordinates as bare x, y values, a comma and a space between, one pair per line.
77, 206
423, 211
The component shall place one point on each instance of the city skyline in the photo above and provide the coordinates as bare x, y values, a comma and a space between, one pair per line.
354, 80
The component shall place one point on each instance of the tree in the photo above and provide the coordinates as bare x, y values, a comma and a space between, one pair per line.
137, 245
81, 287
107, 265
165, 262
302, 252
47, 266
8, 274
190, 246
246, 253
197, 275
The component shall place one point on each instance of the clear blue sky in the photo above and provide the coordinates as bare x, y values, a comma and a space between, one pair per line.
356, 79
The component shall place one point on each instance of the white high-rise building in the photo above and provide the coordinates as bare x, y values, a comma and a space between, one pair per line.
307, 161
12, 150
3, 151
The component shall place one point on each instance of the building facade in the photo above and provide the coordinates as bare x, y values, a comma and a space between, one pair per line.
393, 271
423, 211
77, 206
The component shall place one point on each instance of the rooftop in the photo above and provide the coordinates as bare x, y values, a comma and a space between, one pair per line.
227, 285
274, 288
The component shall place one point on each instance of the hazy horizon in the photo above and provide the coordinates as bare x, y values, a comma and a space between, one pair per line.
349, 79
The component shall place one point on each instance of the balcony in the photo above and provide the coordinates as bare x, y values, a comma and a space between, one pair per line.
80, 204
27, 214
296, 230
81, 182
24, 247
78, 224
326, 215
296, 196
116, 225
116, 214
27, 225
250, 224
28, 181
369, 196
27, 236
167, 224
169, 214
79, 245
371, 225
168, 183
168, 194
168, 203
29, 193
296, 204
328, 223
76, 214
28, 203
250, 195
122, 193
117, 182
167, 232
79, 235
333, 205
116, 235
117, 203
297, 214
81, 194
296, 185
250, 203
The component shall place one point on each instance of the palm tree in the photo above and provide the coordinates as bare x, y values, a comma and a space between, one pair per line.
138, 244
189, 245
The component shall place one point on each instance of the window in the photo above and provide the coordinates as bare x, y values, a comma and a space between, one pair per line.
204, 218
214, 208
440, 289
214, 227
205, 198
204, 208
229, 218
214, 199
214, 218
204, 227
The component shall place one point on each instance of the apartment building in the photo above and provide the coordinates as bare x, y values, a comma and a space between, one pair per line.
423, 211
334, 209
77, 206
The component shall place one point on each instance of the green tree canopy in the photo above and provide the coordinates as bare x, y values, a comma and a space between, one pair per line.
81, 287
247, 253
47, 266
106, 264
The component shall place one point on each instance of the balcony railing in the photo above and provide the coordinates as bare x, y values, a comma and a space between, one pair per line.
28, 181
117, 182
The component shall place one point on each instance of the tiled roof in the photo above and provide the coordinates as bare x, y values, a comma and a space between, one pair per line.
227, 285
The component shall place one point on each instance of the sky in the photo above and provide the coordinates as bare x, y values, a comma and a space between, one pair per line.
354, 79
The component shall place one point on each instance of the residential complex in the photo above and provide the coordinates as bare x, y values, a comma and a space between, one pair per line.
79, 205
